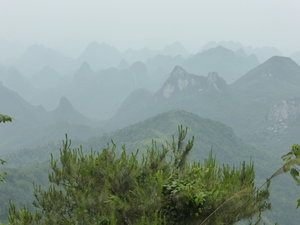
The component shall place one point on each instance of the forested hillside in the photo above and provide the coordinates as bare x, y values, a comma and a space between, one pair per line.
209, 136
158, 187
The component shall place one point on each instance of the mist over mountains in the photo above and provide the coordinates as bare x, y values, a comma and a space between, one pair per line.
154, 112
42, 71
241, 101
121, 88
124, 87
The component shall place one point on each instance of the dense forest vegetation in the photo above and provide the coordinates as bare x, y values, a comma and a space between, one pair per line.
158, 187
3, 119
292, 164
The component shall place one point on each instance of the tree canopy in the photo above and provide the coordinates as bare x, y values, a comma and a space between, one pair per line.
292, 164
5, 118
156, 187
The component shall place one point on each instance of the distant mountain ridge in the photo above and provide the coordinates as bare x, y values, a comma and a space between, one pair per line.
276, 79
262, 53
100, 56
243, 105
33, 125
180, 82
180, 91
229, 64
13, 104
89, 79
277, 67
208, 134
105, 89
262, 107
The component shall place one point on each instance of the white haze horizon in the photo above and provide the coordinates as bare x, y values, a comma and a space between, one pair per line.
69, 26
78, 48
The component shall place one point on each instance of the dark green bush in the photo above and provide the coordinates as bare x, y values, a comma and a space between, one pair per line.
155, 188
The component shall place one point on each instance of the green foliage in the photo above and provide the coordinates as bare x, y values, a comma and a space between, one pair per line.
159, 187
18, 186
292, 165
2, 161
5, 118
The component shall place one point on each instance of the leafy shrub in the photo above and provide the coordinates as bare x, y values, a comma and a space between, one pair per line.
159, 187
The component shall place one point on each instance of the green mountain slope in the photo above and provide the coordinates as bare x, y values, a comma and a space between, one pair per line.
209, 135
205, 95
244, 105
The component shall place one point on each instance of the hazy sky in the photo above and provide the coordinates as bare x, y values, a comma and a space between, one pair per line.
71, 24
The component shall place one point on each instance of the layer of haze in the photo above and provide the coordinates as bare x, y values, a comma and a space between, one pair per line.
70, 24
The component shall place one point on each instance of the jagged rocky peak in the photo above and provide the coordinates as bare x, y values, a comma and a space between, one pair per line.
284, 113
182, 82
215, 81
178, 81
182, 78
178, 72
212, 77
